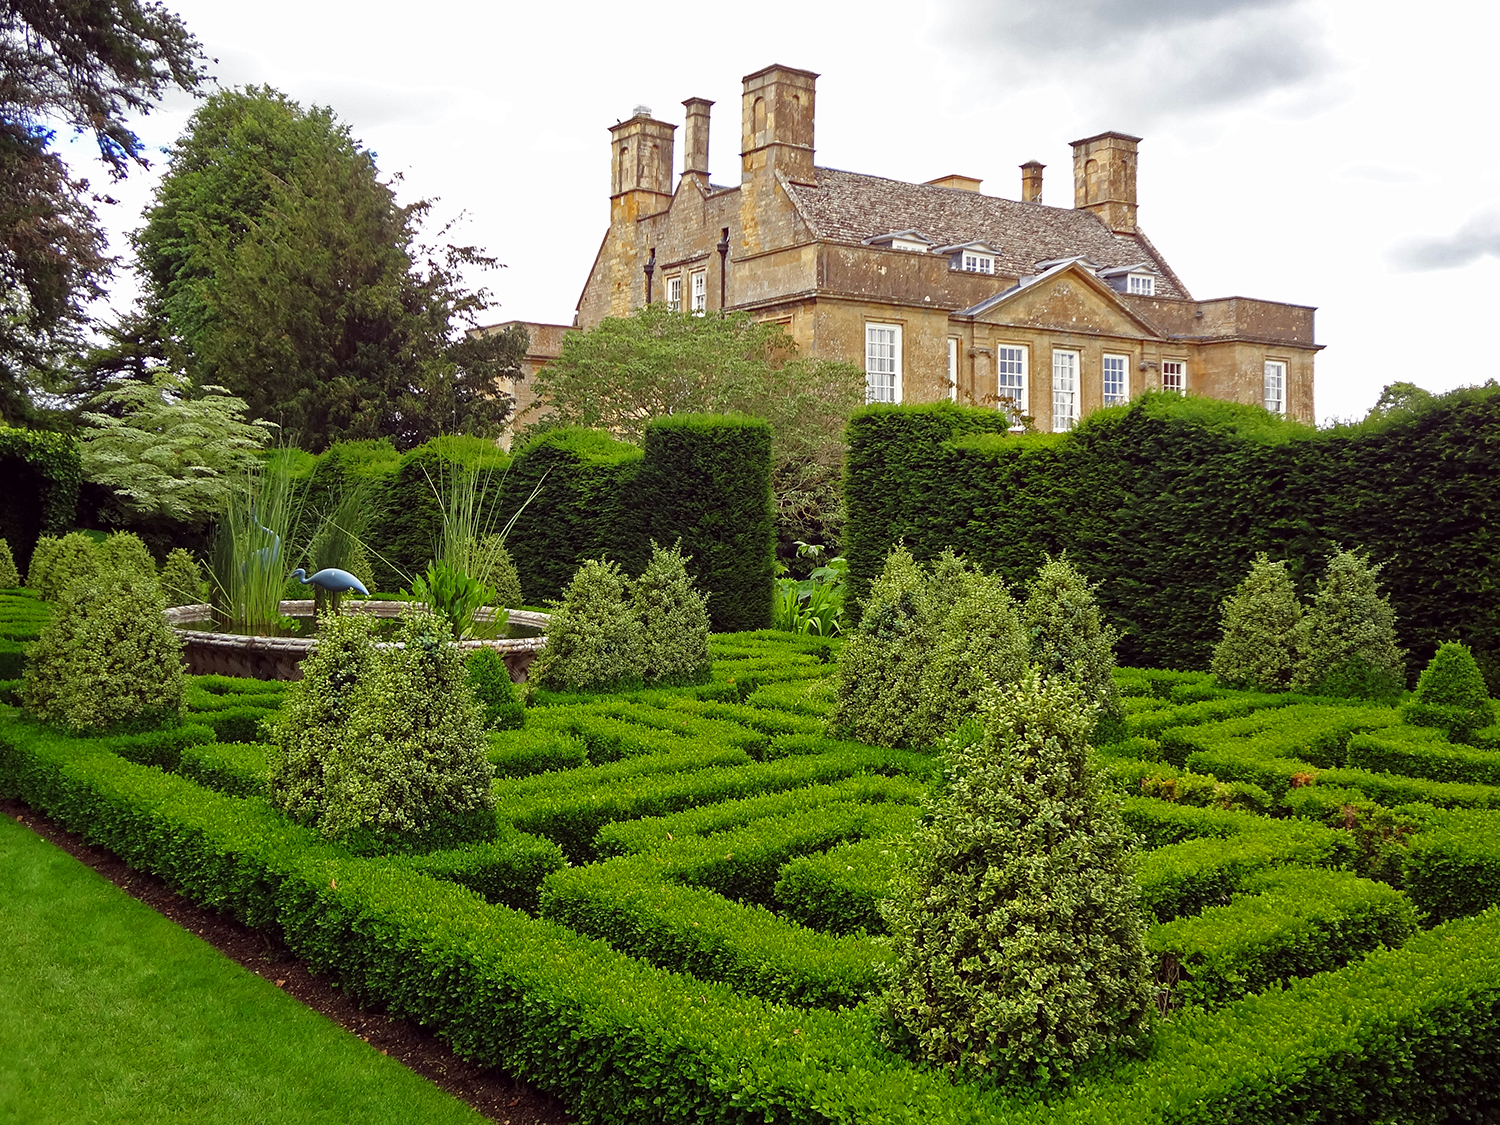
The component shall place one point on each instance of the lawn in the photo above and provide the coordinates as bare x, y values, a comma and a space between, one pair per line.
109, 1012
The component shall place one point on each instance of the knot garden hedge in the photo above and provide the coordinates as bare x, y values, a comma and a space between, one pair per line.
676, 916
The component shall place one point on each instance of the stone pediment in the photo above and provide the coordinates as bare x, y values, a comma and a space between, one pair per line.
1072, 300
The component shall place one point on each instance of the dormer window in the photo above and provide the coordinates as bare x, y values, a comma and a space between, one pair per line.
978, 263
970, 257
1138, 280
1142, 284
912, 241
909, 245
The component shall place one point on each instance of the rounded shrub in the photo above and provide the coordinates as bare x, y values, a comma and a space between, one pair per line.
593, 639
495, 691
182, 581
1069, 637
673, 618
879, 691
1016, 925
124, 550
1348, 644
107, 661
65, 562
980, 645
951, 573
1259, 624
41, 559
9, 576
1451, 694
492, 566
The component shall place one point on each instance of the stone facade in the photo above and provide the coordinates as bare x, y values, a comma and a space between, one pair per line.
937, 289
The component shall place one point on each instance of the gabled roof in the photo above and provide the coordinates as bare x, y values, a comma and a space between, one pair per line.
982, 247
1080, 269
891, 236
848, 207
1138, 267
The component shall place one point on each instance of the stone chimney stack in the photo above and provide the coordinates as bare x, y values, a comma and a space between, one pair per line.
695, 139
640, 180
1104, 179
777, 124
1031, 181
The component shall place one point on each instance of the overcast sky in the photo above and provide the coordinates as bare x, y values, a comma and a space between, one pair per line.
1336, 153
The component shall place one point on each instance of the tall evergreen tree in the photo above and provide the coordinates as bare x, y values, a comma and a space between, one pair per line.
1069, 637
1261, 624
1348, 645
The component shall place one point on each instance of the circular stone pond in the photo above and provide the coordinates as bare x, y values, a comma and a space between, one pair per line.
211, 651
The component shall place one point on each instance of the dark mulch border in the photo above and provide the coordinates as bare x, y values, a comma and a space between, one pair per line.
493, 1093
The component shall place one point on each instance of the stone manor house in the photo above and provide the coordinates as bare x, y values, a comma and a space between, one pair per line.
937, 289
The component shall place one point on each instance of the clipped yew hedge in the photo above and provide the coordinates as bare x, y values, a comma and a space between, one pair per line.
42, 473
1166, 502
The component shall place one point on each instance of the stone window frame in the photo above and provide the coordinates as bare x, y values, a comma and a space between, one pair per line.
1275, 403
1002, 361
895, 373
1065, 399
1181, 373
1122, 365
953, 346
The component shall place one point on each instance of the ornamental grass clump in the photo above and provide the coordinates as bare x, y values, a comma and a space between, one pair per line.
1016, 927
980, 645
1451, 694
384, 749
182, 581
1069, 638
63, 562
673, 618
593, 638
1348, 644
495, 691
1260, 626
879, 692
9, 575
107, 662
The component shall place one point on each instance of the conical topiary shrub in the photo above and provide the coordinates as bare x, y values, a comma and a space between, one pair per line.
41, 559
879, 690
674, 621
106, 662
66, 561
1260, 626
593, 639
1348, 645
951, 574
1016, 926
125, 550
1451, 694
495, 691
979, 647
182, 581
9, 575
491, 565
1069, 638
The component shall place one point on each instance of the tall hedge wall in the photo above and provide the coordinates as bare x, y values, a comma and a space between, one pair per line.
1167, 500
707, 479
40, 473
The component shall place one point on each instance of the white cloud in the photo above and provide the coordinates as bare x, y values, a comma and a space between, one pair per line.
1477, 238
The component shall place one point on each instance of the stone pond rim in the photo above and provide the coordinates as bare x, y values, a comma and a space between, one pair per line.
280, 658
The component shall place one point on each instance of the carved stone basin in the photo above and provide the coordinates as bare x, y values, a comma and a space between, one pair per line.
279, 658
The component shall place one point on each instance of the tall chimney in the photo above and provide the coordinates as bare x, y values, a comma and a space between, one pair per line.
777, 124
695, 139
1104, 179
1031, 181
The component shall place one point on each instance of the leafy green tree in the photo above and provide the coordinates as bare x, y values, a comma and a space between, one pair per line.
879, 692
626, 371
979, 647
282, 261
92, 66
673, 618
1348, 645
167, 450
1451, 694
593, 638
1069, 637
1017, 928
107, 661
1261, 623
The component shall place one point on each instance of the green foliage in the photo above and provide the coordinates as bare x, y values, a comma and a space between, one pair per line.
1069, 638
980, 645
1349, 646
593, 638
706, 480
1451, 694
107, 660
493, 567
453, 595
125, 551
58, 564
1452, 869
673, 618
9, 576
1017, 929
1169, 500
281, 261
881, 670
383, 748
1422, 752
252, 547
494, 691
42, 472
167, 449
1261, 623
182, 580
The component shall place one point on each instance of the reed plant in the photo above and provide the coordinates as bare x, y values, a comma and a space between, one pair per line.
250, 559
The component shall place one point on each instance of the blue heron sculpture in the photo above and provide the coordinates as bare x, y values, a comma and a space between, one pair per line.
332, 580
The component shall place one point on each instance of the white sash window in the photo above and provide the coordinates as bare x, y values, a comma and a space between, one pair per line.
1064, 391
